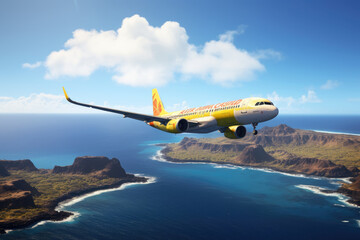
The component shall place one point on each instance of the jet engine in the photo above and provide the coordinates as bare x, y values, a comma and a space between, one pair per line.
235, 132
177, 125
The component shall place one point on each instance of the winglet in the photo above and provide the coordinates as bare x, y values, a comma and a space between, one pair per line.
66, 96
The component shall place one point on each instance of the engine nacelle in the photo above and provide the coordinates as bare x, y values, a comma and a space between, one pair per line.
177, 125
235, 132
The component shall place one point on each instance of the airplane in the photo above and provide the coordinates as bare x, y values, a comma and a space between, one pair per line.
228, 117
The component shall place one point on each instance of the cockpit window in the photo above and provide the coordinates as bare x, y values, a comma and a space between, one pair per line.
263, 103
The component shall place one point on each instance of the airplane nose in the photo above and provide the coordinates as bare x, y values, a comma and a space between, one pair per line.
276, 111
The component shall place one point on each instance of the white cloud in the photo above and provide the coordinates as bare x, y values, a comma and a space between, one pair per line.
292, 104
228, 36
143, 55
36, 103
32, 65
177, 107
274, 97
49, 103
222, 62
330, 84
311, 97
4, 98
266, 54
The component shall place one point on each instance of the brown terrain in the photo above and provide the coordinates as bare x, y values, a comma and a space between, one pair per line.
280, 148
17, 194
3, 171
25, 165
97, 166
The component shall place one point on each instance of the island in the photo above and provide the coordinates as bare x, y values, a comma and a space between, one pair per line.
280, 148
29, 195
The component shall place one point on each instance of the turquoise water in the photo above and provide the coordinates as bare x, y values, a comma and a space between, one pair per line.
187, 201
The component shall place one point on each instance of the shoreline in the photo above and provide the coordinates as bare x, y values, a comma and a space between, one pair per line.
161, 155
56, 214
234, 165
340, 133
329, 193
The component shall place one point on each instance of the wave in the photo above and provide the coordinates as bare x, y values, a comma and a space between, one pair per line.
159, 157
339, 205
80, 198
227, 166
320, 131
320, 190
68, 219
299, 175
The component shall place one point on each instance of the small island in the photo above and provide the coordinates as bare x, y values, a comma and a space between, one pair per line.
29, 195
280, 148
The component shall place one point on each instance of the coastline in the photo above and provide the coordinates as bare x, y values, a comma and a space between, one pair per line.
234, 165
58, 215
342, 196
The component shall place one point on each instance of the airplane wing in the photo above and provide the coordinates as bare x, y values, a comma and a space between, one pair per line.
137, 116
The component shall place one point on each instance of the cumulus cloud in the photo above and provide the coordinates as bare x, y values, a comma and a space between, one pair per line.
310, 97
35, 103
228, 36
177, 107
32, 65
330, 84
50, 103
292, 104
143, 55
222, 62
274, 97
266, 54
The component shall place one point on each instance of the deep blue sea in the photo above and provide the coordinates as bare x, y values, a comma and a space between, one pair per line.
186, 201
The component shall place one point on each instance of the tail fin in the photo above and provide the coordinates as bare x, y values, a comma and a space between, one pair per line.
158, 107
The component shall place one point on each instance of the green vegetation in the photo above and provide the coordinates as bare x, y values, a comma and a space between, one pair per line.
347, 156
20, 213
51, 187
196, 153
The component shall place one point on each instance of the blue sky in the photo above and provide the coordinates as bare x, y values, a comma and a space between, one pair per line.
303, 55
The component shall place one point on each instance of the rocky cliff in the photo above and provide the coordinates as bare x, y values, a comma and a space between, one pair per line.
16, 194
3, 171
187, 143
25, 165
97, 166
313, 166
352, 190
285, 135
253, 155
17, 185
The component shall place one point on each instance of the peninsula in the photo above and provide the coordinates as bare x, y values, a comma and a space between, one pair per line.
29, 195
280, 148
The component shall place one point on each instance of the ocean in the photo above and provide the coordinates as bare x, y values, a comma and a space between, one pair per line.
184, 201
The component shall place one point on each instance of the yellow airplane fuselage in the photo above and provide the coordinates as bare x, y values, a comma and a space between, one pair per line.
223, 116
